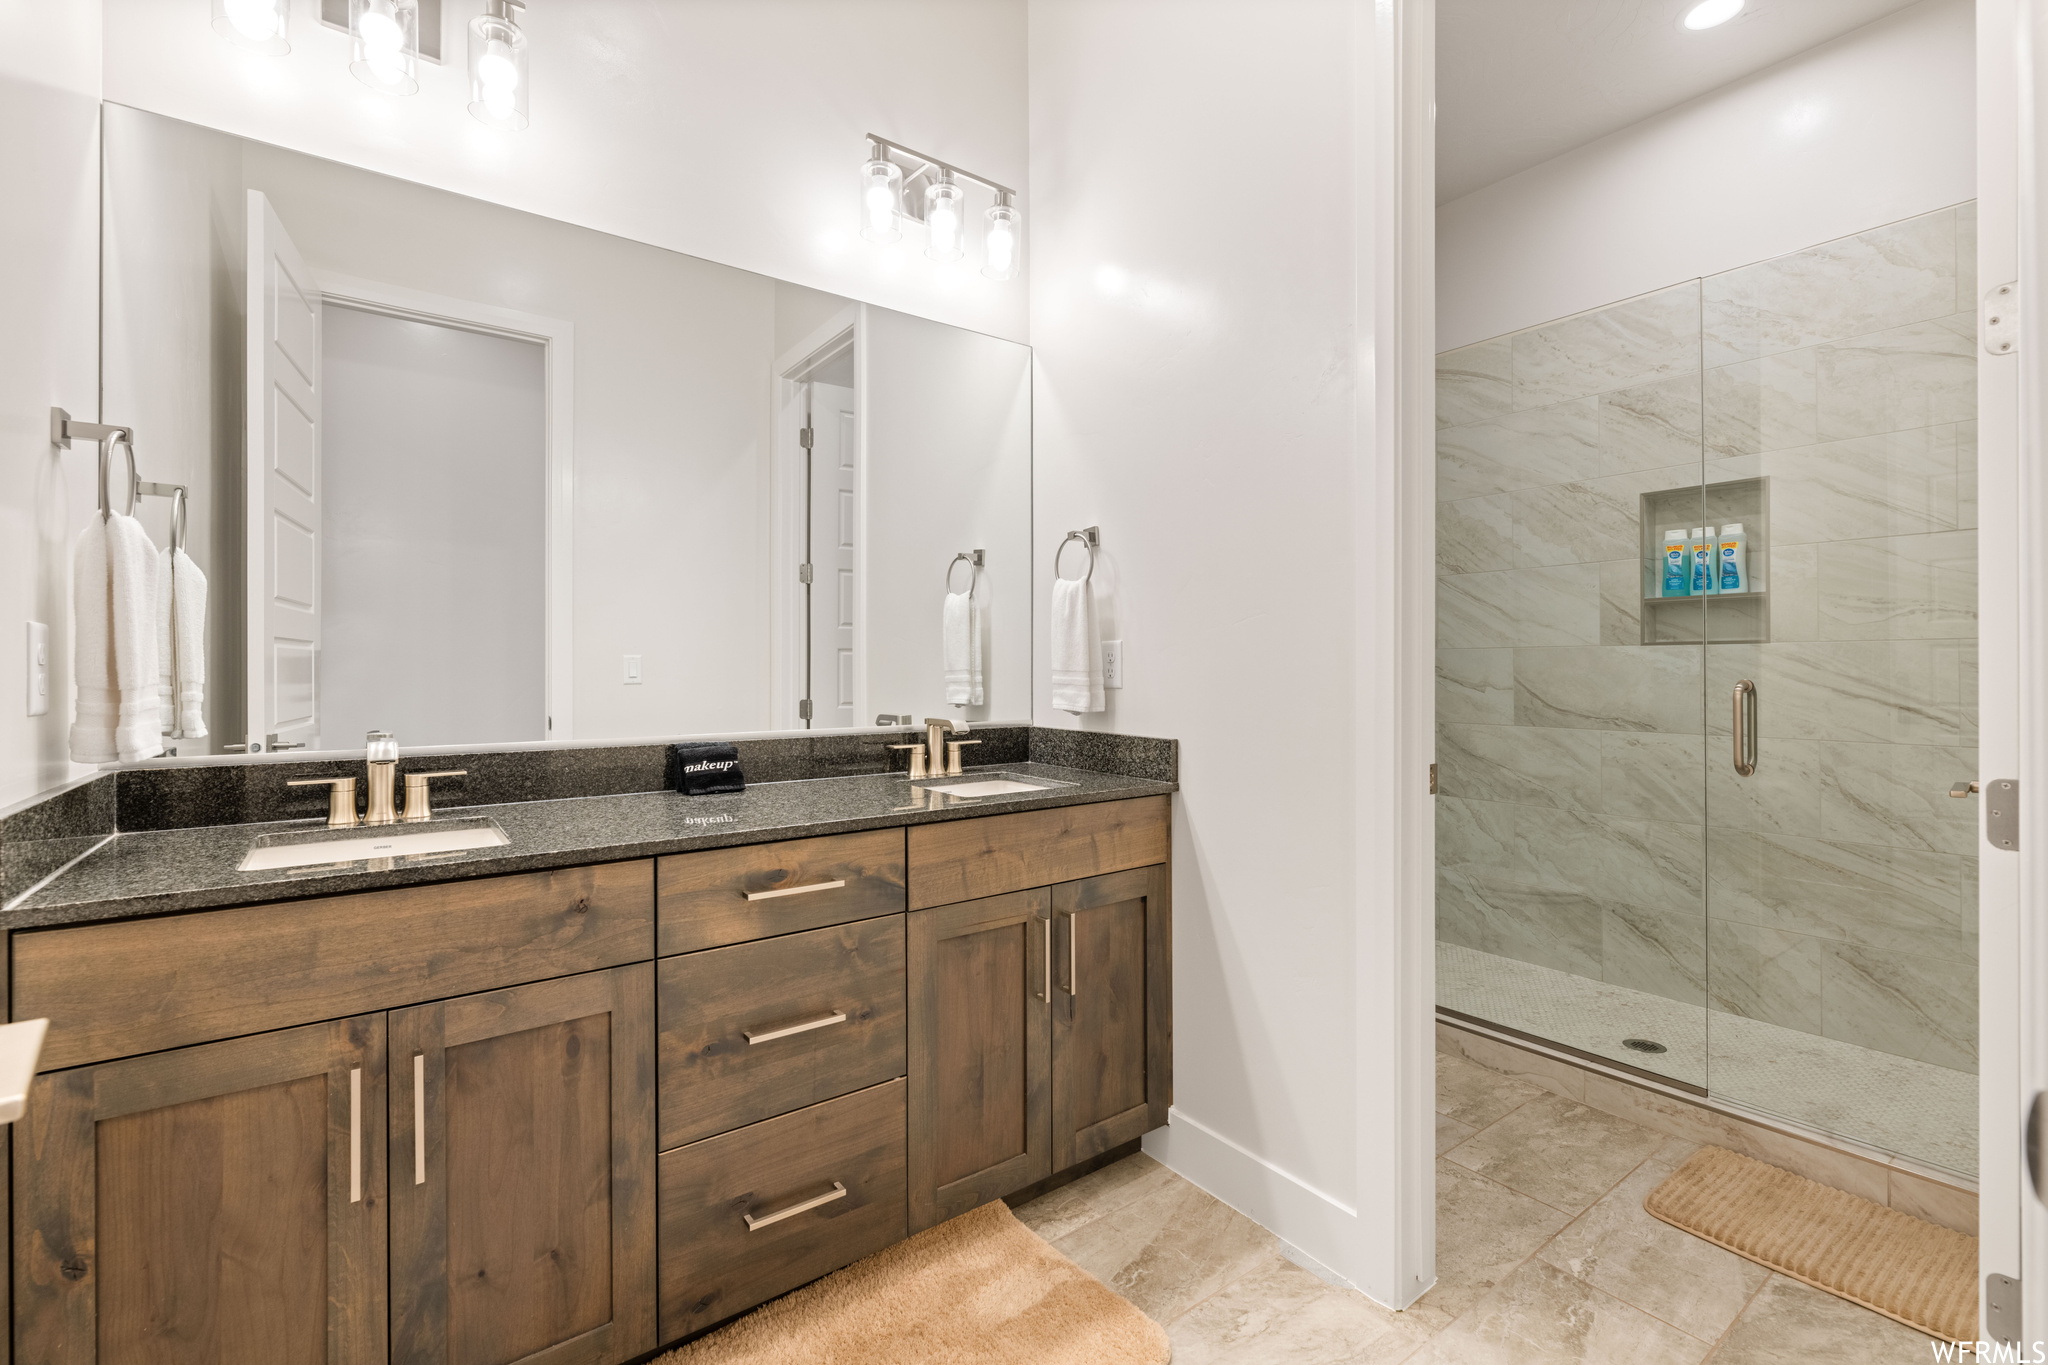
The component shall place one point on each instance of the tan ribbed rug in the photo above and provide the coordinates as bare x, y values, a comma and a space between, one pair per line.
981, 1289
1921, 1274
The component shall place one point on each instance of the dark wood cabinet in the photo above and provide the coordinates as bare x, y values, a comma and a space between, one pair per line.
522, 1210
980, 1039
214, 1205
1112, 1036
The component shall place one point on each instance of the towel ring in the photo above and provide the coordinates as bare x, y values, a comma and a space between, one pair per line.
972, 577
178, 520
1086, 544
126, 443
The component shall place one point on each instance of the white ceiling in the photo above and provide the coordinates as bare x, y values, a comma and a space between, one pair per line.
1521, 81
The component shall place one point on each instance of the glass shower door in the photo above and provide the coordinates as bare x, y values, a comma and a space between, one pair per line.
1839, 402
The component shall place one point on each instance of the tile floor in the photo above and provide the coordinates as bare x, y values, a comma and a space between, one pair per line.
1544, 1256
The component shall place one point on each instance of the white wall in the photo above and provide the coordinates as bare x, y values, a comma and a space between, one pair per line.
731, 129
1873, 127
49, 355
1195, 395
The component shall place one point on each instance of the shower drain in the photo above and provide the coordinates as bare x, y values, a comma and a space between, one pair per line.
1643, 1045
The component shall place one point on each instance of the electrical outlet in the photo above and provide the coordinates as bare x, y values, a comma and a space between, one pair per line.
1112, 663
632, 673
38, 668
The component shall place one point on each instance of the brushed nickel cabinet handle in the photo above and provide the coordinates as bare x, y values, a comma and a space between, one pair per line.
1047, 997
1073, 952
795, 890
419, 1118
355, 1135
1745, 728
799, 1026
838, 1191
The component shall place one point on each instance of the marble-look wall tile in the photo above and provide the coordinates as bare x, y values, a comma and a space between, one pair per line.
1758, 405
1910, 1006
1888, 691
1475, 535
1921, 587
1621, 602
1477, 610
1781, 797
1476, 686
1922, 375
1522, 764
1792, 574
1475, 382
1558, 605
1897, 795
1522, 450
1517, 913
1615, 864
1966, 473
1653, 776
1644, 687
1895, 900
1474, 833
1967, 293
1966, 687
1651, 427
1624, 345
1664, 954
1900, 273
1574, 523
1765, 974
1896, 483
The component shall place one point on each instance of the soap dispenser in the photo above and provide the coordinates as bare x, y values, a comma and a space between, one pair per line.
382, 755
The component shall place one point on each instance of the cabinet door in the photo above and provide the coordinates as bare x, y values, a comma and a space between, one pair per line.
980, 1005
1112, 1038
522, 1147
213, 1205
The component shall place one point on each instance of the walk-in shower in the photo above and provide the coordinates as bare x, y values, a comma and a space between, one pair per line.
1798, 939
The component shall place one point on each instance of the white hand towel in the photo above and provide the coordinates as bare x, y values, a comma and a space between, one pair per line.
975, 612
131, 584
181, 699
92, 650
957, 629
1076, 647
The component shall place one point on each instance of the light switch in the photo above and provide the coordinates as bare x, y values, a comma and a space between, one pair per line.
1112, 663
38, 668
632, 668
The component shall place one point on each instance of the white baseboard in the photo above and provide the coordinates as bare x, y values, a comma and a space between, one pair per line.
1316, 1229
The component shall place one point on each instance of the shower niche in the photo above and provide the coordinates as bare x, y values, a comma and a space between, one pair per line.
1714, 617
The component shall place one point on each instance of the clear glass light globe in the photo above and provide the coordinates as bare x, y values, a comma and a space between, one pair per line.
255, 20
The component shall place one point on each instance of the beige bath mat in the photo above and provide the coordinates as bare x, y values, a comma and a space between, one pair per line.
982, 1289
1923, 1275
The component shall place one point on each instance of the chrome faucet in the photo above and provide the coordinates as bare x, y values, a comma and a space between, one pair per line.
935, 729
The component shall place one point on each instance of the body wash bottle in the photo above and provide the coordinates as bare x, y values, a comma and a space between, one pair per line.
1702, 560
1677, 575
1732, 560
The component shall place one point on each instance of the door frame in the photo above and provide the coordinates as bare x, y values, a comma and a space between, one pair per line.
788, 623
557, 339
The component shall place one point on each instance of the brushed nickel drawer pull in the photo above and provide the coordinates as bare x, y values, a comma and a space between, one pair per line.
795, 890
800, 1026
355, 1135
419, 1118
1073, 952
1047, 997
838, 1191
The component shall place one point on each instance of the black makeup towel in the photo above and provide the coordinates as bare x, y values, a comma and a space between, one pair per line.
706, 769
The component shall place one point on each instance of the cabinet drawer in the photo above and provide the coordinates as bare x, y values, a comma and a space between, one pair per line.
730, 895
749, 1032
965, 860
112, 990
823, 1187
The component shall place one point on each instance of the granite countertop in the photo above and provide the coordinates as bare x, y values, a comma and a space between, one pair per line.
158, 871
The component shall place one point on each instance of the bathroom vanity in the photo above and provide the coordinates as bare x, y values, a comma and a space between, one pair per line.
572, 1112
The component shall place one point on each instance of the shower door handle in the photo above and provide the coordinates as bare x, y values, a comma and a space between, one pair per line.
1745, 728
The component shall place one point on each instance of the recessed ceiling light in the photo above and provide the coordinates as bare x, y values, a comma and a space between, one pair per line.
1708, 13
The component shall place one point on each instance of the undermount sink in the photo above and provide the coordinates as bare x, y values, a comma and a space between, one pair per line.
992, 784
329, 847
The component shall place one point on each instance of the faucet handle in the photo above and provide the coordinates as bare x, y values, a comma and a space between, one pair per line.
341, 798
916, 758
419, 801
953, 748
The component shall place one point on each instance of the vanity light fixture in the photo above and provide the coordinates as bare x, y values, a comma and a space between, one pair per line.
255, 25
1710, 13
497, 66
387, 44
898, 183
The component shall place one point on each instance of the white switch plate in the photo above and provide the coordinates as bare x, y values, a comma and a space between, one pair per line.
632, 668
1112, 663
38, 668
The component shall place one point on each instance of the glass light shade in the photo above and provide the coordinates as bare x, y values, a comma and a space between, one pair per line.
881, 200
387, 44
944, 210
255, 25
1000, 244
497, 72
1710, 13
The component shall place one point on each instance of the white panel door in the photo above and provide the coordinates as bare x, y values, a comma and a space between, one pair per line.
835, 526
283, 489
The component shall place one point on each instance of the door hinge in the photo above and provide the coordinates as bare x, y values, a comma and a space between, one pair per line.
803, 573
2002, 1310
803, 709
2002, 813
803, 438
2000, 320
1432, 779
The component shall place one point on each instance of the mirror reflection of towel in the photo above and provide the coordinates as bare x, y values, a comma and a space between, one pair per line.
180, 701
